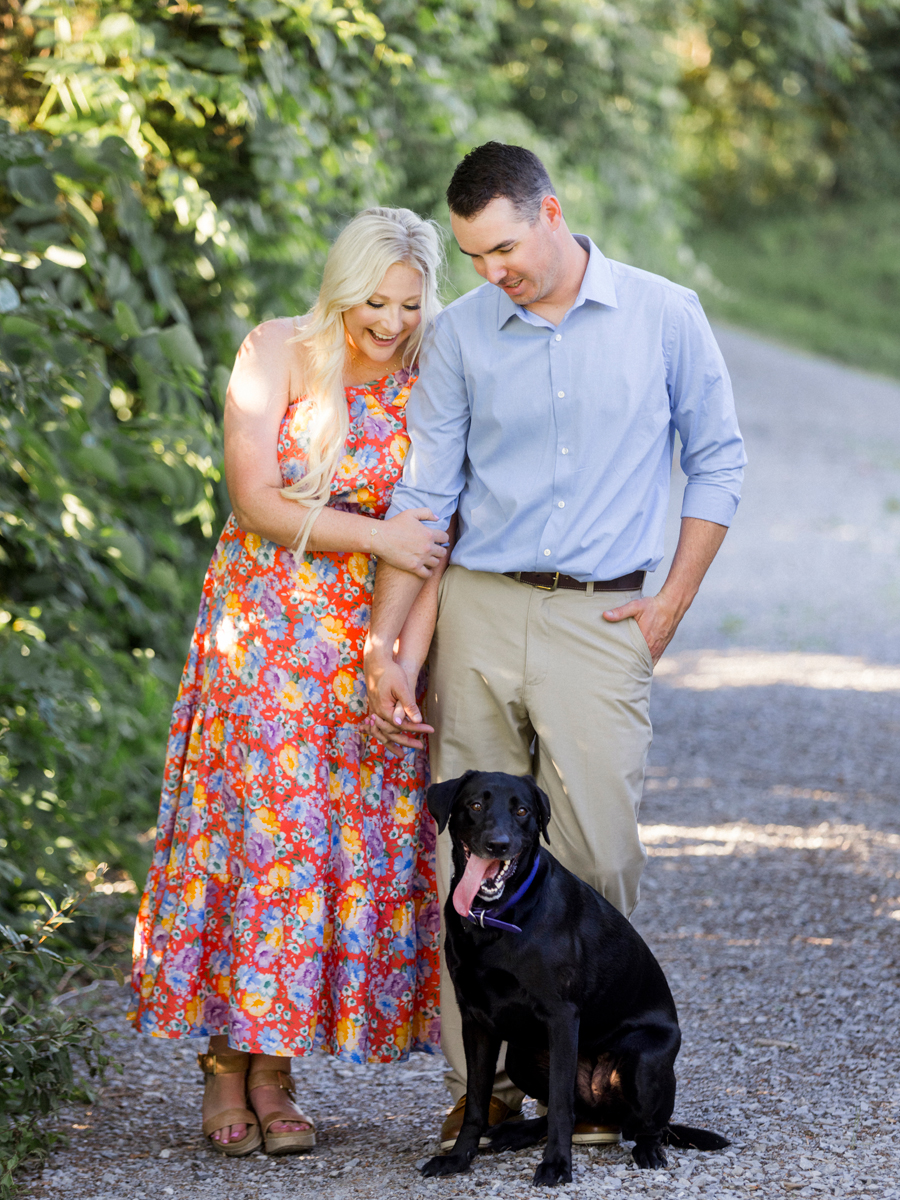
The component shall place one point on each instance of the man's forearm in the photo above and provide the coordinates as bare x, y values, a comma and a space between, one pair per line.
698, 544
418, 628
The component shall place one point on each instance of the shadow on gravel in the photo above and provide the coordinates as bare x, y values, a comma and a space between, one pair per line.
816, 729
772, 898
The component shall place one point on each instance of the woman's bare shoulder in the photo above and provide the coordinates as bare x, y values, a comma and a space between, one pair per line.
272, 346
266, 369
271, 335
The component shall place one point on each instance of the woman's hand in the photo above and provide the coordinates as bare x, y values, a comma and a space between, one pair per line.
395, 685
408, 544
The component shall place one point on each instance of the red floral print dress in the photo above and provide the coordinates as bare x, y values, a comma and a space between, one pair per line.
291, 902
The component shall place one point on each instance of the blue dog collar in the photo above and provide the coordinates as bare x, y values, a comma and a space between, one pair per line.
489, 917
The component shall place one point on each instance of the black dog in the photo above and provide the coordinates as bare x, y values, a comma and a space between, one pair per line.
544, 963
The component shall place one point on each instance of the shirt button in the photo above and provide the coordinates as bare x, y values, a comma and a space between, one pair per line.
559, 337
562, 504
560, 394
564, 450
546, 554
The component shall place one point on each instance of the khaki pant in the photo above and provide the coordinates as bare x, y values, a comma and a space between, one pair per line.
524, 680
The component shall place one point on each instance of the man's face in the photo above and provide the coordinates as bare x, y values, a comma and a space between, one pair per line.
519, 256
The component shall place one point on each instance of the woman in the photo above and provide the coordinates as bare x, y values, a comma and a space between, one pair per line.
291, 902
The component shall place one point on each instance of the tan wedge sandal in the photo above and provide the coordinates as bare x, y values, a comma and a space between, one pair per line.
288, 1141
230, 1064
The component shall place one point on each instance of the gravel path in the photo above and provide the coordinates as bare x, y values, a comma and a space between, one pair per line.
772, 894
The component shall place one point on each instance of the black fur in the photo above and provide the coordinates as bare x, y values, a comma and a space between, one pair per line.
584, 1006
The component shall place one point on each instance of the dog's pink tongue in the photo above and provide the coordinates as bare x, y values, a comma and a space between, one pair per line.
467, 888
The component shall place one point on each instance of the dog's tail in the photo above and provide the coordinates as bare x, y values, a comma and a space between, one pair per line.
685, 1137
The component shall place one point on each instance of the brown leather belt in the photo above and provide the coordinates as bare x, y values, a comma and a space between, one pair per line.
549, 581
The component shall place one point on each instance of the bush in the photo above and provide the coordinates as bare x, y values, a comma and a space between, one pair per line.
108, 469
38, 1043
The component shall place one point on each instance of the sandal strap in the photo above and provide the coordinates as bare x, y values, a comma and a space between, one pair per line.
223, 1064
230, 1116
298, 1117
262, 1077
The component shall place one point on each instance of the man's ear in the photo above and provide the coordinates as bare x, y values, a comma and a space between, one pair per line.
442, 796
543, 806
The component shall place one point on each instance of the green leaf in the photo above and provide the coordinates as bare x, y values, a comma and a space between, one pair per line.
212, 58
221, 376
126, 321
20, 327
126, 552
117, 25
31, 185
163, 578
97, 460
180, 347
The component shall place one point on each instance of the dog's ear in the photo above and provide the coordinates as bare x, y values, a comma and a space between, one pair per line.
543, 806
442, 796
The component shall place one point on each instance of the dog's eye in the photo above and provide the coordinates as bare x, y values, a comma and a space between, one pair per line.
476, 806
521, 811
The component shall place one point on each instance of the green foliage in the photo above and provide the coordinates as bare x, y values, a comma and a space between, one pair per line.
262, 127
107, 476
870, 111
786, 98
590, 87
842, 303
255, 124
39, 1043
598, 83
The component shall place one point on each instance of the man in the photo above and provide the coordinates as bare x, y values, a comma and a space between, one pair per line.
545, 418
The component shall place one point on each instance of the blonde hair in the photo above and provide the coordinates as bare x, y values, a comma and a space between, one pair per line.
374, 241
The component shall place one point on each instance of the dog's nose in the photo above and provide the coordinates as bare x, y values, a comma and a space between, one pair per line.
497, 846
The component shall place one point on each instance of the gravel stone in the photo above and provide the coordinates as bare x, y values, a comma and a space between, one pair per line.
771, 896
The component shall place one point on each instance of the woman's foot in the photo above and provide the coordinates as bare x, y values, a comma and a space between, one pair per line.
221, 1093
227, 1121
268, 1098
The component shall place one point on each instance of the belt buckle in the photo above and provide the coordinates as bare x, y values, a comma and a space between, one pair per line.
549, 587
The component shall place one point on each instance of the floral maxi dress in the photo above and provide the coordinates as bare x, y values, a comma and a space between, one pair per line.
291, 902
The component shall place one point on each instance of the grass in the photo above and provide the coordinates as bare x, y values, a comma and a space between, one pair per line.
825, 279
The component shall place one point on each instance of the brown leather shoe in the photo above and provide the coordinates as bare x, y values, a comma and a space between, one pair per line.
587, 1134
497, 1113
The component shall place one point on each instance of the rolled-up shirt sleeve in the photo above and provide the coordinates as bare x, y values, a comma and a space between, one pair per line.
437, 421
703, 412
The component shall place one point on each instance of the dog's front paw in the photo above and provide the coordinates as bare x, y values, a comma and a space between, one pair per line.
445, 1164
517, 1135
551, 1172
649, 1156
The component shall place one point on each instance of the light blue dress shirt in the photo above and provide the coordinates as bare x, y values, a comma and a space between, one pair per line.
555, 443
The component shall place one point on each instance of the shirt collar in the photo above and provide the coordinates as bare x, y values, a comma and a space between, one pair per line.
596, 286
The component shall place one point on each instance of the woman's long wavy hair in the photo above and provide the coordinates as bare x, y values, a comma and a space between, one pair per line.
375, 240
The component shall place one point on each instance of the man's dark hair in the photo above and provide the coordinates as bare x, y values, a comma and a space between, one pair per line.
495, 170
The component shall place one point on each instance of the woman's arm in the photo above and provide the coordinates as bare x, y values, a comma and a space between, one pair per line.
258, 396
403, 541
418, 630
